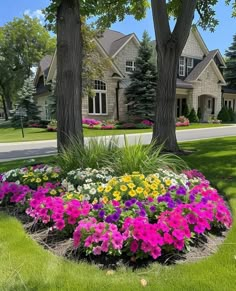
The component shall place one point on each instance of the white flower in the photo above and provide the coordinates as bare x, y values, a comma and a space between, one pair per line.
92, 191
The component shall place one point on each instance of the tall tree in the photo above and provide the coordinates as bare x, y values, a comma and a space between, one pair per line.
169, 48
68, 15
23, 42
141, 92
230, 70
26, 103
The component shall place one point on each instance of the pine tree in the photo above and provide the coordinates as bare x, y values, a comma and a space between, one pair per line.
26, 104
224, 115
141, 92
193, 116
230, 71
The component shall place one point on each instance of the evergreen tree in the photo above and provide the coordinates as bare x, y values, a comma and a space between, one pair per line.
193, 116
185, 110
141, 92
224, 115
26, 103
230, 71
199, 113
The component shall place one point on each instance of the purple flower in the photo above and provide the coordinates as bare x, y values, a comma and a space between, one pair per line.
109, 219
101, 214
191, 198
128, 203
115, 217
181, 191
142, 213
97, 206
153, 208
171, 204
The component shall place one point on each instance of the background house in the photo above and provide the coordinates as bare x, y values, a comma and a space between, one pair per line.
199, 79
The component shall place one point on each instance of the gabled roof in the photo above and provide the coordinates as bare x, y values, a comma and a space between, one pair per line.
43, 68
108, 37
113, 41
200, 68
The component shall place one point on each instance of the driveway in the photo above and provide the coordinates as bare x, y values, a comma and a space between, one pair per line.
21, 150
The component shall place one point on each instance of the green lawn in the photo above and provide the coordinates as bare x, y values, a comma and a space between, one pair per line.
25, 265
9, 134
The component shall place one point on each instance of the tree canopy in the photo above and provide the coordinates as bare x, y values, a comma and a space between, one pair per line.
230, 70
23, 42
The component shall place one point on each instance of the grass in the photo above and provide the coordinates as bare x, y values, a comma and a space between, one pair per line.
25, 265
9, 134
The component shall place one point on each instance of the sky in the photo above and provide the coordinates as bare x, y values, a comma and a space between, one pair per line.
221, 38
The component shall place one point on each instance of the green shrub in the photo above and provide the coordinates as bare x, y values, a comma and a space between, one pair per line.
224, 114
231, 115
199, 113
185, 110
193, 116
93, 155
145, 159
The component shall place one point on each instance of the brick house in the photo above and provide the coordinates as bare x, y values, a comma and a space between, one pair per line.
199, 81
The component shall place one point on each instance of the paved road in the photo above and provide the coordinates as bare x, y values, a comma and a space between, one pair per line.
12, 151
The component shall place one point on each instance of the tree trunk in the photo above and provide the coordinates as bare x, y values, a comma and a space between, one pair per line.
4, 108
169, 47
164, 130
69, 73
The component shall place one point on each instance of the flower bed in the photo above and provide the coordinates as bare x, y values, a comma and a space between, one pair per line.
133, 215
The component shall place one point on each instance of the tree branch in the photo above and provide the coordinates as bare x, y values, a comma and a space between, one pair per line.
161, 22
183, 24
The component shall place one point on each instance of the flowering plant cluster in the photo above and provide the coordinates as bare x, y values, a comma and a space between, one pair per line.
136, 215
33, 176
182, 121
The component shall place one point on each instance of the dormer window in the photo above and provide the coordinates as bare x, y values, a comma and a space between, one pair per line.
189, 65
130, 66
182, 66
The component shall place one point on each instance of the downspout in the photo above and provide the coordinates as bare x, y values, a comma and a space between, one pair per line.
117, 101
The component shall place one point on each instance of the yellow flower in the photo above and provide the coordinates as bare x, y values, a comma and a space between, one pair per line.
100, 189
132, 193
81, 197
157, 181
123, 188
38, 180
95, 201
142, 177
31, 174
32, 180
55, 175
116, 193
45, 178
131, 185
118, 198
145, 193
163, 191
108, 189
53, 192
154, 186
126, 179
105, 199
139, 190
69, 196
155, 193
168, 182
25, 176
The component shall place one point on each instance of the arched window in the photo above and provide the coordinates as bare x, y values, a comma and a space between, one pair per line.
97, 104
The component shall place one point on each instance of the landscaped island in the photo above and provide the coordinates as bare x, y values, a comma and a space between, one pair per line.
136, 215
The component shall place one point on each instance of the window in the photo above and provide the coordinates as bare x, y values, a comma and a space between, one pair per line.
98, 104
182, 66
189, 65
229, 103
130, 66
